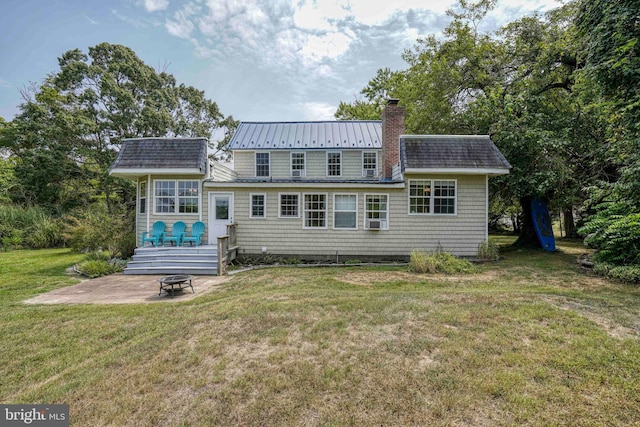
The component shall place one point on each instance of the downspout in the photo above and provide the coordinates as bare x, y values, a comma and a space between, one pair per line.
147, 210
486, 208
200, 200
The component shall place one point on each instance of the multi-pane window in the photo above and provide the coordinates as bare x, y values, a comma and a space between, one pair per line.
431, 196
315, 210
369, 164
376, 211
142, 200
262, 164
420, 196
444, 197
183, 194
165, 197
334, 163
345, 211
258, 206
188, 196
288, 205
297, 164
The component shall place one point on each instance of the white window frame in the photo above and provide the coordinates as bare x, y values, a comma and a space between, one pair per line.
428, 198
280, 205
142, 198
364, 169
303, 171
264, 198
255, 159
366, 211
305, 211
177, 197
336, 210
339, 153
432, 197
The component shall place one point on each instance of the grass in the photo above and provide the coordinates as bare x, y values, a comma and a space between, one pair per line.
528, 340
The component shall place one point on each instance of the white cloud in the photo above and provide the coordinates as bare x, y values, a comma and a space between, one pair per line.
93, 22
317, 110
155, 5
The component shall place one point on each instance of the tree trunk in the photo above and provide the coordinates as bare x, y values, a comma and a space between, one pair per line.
527, 237
569, 224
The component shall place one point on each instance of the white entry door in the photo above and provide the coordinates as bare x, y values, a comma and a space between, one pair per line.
220, 215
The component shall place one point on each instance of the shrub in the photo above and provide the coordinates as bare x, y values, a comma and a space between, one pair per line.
439, 262
488, 251
96, 229
616, 233
95, 268
30, 227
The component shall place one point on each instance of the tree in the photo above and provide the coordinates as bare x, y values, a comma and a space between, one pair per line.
523, 87
68, 131
610, 34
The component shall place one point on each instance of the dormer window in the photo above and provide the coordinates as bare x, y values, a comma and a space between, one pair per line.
298, 165
334, 163
262, 165
369, 164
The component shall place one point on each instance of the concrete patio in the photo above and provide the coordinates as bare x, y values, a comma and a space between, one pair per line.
126, 289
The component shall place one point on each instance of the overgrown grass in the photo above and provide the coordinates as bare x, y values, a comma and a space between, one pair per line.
528, 340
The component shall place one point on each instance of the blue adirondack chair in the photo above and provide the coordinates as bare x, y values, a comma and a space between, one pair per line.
177, 233
156, 236
197, 230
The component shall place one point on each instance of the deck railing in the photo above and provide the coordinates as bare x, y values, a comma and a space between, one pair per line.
227, 249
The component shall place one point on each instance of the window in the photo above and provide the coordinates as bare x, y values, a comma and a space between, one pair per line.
315, 210
183, 194
376, 211
258, 206
188, 196
262, 164
288, 205
419, 197
369, 164
142, 201
345, 211
297, 164
334, 161
431, 196
444, 197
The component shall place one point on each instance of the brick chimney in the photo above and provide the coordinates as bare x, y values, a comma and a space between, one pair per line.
392, 128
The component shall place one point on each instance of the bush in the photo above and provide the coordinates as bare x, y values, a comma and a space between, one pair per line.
97, 230
97, 268
439, 262
618, 239
488, 251
28, 227
623, 273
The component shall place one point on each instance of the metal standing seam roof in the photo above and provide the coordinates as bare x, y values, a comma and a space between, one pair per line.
356, 134
450, 152
162, 153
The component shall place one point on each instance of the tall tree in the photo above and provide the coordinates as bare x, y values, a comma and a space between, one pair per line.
71, 127
519, 86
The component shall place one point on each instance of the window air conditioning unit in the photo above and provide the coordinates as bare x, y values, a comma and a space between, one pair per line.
296, 173
375, 224
370, 173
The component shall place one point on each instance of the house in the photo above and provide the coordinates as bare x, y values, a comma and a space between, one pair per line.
325, 189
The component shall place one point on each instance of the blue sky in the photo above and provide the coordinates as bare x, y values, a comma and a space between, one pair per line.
258, 59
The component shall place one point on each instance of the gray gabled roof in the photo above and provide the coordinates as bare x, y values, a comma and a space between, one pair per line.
456, 153
356, 134
140, 156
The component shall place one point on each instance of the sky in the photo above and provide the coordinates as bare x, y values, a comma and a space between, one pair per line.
259, 60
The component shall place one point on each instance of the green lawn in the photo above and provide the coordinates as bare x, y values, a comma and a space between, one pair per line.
530, 340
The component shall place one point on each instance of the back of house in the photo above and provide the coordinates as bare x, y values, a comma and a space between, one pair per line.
324, 189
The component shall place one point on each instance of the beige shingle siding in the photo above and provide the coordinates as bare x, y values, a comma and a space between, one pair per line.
169, 219
459, 234
316, 164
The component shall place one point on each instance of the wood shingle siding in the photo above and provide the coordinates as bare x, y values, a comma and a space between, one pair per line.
459, 234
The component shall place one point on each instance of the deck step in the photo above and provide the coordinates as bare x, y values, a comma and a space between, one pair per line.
202, 260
